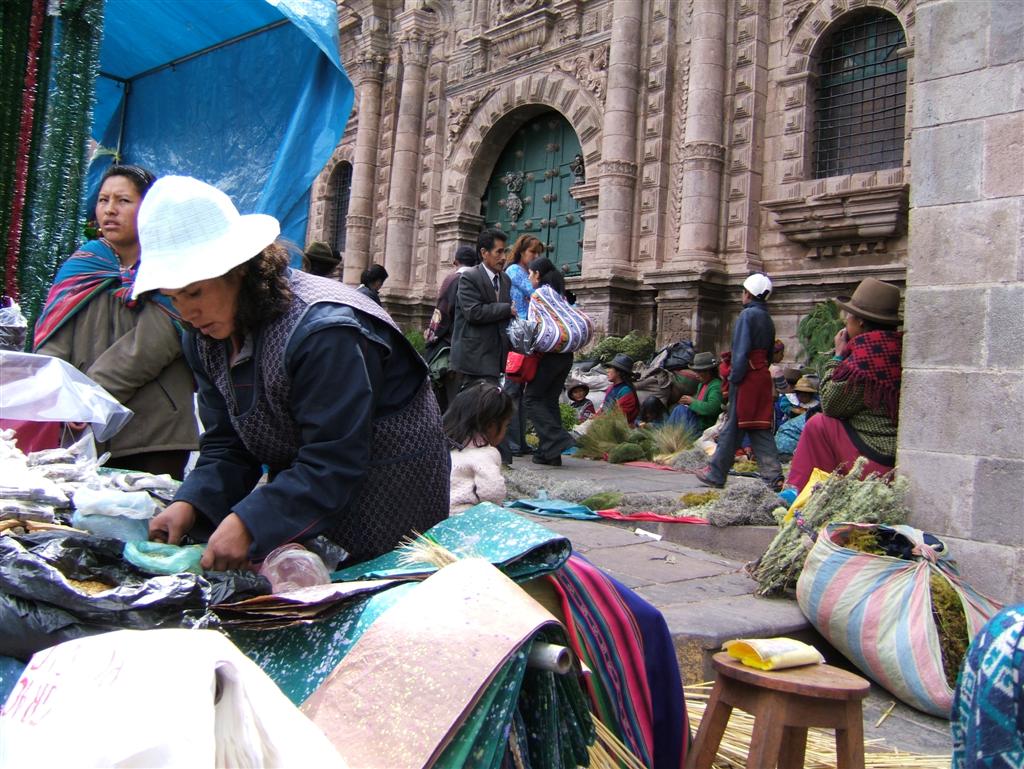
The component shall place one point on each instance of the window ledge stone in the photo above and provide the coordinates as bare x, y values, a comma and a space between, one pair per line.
834, 219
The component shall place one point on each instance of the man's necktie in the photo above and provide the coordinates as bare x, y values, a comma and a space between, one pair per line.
496, 292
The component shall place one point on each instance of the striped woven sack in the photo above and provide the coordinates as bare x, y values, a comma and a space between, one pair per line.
561, 327
877, 611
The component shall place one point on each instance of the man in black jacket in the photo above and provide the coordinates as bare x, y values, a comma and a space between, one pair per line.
439, 334
483, 309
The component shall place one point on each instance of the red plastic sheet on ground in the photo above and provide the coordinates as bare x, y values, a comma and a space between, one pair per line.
617, 515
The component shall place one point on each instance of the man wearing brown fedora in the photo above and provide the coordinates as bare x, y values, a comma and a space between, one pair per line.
751, 391
860, 389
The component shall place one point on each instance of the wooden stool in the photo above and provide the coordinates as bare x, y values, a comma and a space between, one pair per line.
784, 704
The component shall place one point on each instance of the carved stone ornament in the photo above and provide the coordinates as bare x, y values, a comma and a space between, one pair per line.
523, 35
415, 47
513, 203
590, 69
794, 12
834, 220
578, 168
460, 113
369, 66
509, 9
703, 150
619, 168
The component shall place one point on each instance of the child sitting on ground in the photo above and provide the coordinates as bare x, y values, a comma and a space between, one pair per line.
475, 423
578, 399
652, 412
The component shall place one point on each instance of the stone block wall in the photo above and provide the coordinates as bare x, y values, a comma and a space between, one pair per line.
962, 413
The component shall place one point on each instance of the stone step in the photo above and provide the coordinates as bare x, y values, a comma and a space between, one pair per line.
701, 627
739, 543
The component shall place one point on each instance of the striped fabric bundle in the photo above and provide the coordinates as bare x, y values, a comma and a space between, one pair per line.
877, 611
560, 326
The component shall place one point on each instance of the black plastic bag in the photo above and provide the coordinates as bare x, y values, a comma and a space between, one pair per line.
52, 588
677, 355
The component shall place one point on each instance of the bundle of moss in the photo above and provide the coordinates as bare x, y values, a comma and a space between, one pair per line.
951, 624
603, 500
699, 498
635, 345
741, 504
745, 466
947, 607
604, 432
525, 483
839, 498
690, 459
626, 452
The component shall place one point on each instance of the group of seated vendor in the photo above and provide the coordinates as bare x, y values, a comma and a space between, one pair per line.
826, 423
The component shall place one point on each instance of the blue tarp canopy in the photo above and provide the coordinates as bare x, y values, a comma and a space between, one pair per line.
248, 95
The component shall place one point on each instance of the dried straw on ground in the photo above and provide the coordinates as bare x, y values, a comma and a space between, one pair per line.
821, 743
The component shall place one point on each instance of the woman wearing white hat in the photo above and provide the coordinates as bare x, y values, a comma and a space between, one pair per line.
298, 373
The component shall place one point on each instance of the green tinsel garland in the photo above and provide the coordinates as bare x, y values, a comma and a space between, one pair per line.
58, 174
14, 24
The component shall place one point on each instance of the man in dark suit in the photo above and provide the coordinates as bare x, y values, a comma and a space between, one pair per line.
483, 309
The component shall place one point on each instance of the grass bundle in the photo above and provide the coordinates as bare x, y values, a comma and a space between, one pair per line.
604, 432
609, 752
839, 498
670, 438
424, 549
821, 744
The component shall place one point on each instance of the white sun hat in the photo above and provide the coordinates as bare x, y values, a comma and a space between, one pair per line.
190, 231
758, 285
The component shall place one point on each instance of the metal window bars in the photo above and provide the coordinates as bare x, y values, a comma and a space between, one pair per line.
342, 193
860, 105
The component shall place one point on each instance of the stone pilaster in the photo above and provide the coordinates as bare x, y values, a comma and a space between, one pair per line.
414, 39
962, 407
618, 167
703, 149
367, 75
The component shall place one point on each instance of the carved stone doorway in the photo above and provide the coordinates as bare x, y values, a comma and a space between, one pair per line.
528, 191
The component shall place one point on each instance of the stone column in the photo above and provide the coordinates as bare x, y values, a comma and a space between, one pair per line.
618, 167
962, 403
367, 76
703, 150
405, 165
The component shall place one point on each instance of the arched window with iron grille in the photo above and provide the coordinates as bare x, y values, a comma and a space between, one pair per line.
860, 106
342, 184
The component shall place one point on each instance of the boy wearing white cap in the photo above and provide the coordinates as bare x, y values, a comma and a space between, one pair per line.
751, 391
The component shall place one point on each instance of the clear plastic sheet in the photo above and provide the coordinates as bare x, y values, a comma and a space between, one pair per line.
522, 335
13, 325
45, 389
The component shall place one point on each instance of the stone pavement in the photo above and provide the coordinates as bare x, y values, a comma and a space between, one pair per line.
705, 597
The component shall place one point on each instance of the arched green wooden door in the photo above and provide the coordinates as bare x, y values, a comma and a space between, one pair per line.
529, 189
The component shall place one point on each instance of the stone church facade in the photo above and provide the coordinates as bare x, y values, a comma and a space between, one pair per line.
664, 149
692, 124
